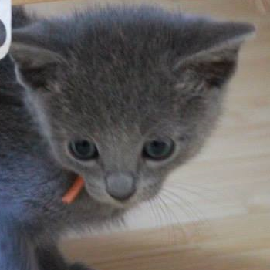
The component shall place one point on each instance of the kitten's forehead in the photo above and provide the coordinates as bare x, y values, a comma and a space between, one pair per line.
121, 102
119, 88
135, 114
136, 107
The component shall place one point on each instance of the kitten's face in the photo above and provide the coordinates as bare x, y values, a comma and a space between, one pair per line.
128, 135
123, 114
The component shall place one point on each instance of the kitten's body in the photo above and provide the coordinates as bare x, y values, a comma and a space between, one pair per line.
32, 183
115, 79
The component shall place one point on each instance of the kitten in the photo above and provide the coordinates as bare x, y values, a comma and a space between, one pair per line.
120, 96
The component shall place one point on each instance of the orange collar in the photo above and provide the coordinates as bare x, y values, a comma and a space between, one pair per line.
73, 191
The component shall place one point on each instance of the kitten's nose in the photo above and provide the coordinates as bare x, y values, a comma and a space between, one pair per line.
120, 186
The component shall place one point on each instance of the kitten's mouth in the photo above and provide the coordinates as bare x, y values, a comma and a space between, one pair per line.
73, 192
77, 187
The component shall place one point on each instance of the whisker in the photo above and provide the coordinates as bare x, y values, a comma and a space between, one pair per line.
165, 213
173, 225
191, 220
175, 198
156, 214
201, 186
188, 208
178, 203
197, 186
195, 193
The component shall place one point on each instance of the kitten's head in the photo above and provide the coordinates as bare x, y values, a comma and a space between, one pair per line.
125, 95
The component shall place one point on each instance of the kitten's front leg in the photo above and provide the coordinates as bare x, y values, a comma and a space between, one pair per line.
16, 250
51, 259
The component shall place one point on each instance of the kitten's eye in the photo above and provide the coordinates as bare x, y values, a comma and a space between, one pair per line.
83, 150
158, 149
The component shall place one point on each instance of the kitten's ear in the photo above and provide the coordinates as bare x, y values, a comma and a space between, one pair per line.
35, 65
214, 53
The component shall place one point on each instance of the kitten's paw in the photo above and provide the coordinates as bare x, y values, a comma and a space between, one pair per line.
79, 266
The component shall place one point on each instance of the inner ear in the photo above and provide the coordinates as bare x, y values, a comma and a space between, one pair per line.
214, 67
213, 56
35, 66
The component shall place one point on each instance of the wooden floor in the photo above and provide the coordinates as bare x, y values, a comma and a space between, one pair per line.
219, 215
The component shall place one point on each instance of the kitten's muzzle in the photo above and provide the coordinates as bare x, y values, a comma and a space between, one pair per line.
121, 186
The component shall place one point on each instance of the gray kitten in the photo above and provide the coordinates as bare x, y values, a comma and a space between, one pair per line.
120, 96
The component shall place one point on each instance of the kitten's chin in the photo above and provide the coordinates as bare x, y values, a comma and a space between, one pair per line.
126, 205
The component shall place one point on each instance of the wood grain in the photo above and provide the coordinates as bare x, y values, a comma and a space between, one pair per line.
223, 222
24, 2
236, 243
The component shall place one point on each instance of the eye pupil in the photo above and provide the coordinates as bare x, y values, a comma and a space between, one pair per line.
83, 150
158, 149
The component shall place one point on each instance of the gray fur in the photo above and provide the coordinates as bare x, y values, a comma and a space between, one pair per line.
119, 77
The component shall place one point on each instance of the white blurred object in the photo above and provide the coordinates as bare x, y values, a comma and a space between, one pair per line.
5, 17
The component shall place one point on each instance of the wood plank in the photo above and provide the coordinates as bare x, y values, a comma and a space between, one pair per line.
235, 243
23, 2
